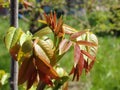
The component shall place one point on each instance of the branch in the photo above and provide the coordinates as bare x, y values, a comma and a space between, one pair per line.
14, 64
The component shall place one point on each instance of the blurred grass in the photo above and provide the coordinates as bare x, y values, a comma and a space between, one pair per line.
104, 75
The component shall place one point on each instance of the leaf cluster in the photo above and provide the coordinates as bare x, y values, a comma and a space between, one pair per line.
38, 53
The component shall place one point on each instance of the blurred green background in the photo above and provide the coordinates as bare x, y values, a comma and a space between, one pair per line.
100, 16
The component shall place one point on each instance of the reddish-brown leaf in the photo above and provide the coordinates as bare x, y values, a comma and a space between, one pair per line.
45, 78
77, 34
86, 43
45, 68
42, 64
59, 25
31, 79
54, 17
14, 51
91, 65
25, 70
88, 55
86, 66
81, 64
76, 54
78, 64
64, 46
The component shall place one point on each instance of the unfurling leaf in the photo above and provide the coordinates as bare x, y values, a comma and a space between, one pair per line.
27, 46
61, 72
24, 37
12, 36
64, 46
76, 54
47, 46
88, 43
78, 63
26, 69
44, 31
39, 52
43, 65
55, 26
32, 79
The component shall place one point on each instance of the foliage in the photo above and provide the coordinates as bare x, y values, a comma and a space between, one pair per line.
99, 16
99, 21
39, 55
3, 78
115, 17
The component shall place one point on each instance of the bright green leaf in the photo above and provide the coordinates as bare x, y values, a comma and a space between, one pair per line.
47, 45
9, 36
12, 36
43, 32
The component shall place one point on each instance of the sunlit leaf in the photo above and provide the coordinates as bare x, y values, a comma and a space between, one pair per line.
3, 77
61, 72
43, 65
9, 36
16, 37
68, 29
47, 45
12, 37
44, 31
88, 55
24, 37
89, 43
77, 34
64, 46
42, 21
86, 43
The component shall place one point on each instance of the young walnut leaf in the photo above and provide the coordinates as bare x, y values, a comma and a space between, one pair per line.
14, 51
12, 36
39, 51
64, 46
68, 29
43, 65
55, 26
26, 69
84, 52
32, 78
44, 31
47, 45
24, 37
27, 46
77, 34
89, 49
78, 63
